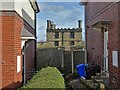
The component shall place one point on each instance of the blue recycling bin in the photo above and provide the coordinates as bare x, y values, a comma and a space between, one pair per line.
81, 70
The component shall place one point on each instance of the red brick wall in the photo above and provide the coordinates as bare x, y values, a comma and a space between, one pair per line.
11, 47
96, 7
94, 38
0, 52
18, 26
94, 44
12, 25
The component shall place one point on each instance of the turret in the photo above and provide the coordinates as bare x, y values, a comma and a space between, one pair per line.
53, 26
48, 24
80, 24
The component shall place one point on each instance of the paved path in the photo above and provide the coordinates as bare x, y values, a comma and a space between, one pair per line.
77, 85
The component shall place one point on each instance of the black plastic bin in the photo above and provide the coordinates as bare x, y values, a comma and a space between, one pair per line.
97, 68
92, 70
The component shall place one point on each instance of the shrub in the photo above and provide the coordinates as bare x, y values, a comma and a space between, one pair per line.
48, 77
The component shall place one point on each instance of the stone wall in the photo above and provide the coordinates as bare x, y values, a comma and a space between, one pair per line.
50, 43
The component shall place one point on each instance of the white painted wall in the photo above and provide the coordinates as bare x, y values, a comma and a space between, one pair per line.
24, 9
7, 5
26, 6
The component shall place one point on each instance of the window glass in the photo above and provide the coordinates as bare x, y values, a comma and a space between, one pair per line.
56, 34
72, 42
71, 34
56, 43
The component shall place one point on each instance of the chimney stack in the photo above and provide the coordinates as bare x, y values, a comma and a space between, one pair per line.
80, 24
48, 24
53, 26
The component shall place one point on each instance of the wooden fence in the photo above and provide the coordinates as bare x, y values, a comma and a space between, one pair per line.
60, 58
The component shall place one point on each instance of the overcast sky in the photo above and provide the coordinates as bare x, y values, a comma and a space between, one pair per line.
63, 14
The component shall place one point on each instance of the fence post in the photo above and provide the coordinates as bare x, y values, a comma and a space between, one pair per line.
72, 61
62, 58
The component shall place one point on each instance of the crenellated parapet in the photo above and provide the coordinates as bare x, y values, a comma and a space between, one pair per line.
65, 30
51, 27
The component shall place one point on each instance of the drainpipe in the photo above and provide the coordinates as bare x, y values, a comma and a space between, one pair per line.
35, 40
83, 4
24, 66
85, 40
85, 49
62, 58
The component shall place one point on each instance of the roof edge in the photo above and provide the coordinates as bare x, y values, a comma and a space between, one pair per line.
34, 5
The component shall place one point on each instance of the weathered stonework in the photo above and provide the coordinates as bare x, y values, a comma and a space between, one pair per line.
64, 37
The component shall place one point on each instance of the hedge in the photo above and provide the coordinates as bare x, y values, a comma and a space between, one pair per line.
48, 77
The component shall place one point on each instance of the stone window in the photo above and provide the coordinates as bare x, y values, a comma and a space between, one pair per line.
56, 34
56, 43
72, 42
71, 34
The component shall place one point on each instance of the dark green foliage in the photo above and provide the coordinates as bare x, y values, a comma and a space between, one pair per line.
48, 77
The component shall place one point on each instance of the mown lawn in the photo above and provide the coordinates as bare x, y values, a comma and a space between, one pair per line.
48, 77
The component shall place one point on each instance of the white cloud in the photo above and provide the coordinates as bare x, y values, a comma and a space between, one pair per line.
68, 17
41, 30
50, 8
65, 15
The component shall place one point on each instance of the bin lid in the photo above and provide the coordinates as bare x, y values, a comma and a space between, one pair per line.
80, 65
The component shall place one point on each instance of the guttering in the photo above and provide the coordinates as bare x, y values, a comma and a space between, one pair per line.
34, 5
83, 2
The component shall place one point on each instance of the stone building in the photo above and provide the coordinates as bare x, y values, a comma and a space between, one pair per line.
17, 42
103, 37
63, 37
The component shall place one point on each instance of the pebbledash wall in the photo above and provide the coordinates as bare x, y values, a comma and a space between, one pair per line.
18, 42
98, 16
